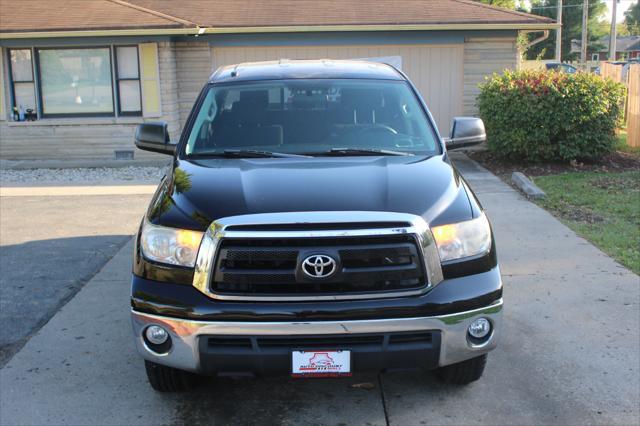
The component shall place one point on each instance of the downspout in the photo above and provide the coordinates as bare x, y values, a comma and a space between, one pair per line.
543, 37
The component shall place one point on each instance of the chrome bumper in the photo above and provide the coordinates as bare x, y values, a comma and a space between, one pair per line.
184, 353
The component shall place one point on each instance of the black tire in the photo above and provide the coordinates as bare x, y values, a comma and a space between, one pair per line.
167, 379
463, 372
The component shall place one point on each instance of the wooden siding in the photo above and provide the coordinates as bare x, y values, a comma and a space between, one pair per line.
167, 64
193, 61
482, 58
64, 141
436, 70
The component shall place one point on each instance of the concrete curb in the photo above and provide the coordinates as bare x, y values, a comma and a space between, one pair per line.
57, 191
80, 164
525, 184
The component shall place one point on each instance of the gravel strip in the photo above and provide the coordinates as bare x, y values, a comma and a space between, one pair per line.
88, 176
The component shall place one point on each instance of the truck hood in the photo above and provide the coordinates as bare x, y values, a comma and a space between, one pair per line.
197, 192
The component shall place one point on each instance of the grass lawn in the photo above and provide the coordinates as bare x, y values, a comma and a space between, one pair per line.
602, 207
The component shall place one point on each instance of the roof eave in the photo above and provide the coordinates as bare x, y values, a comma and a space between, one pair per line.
384, 27
100, 33
281, 29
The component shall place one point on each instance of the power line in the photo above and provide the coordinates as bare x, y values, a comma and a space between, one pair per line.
555, 7
566, 6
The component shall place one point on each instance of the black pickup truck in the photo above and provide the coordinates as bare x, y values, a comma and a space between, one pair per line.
312, 224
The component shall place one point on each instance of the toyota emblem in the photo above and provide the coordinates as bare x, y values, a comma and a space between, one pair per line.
319, 266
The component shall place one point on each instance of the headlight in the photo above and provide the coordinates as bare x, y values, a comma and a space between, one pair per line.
463, 239
170, 245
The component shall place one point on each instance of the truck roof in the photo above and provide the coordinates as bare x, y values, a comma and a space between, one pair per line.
305, 69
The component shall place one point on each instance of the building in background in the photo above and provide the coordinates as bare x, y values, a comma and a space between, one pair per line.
627, 47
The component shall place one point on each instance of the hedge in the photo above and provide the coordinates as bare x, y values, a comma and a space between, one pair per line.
551, 116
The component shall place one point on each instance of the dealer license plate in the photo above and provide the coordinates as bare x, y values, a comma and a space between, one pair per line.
321, 363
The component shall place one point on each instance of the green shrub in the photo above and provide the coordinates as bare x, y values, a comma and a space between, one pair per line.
551, 116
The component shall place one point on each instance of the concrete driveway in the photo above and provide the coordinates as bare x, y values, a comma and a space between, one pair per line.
51, 245
569, 353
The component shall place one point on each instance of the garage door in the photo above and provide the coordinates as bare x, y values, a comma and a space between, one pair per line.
436, 70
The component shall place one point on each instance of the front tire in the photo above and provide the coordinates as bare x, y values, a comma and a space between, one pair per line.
167, 379
463, 373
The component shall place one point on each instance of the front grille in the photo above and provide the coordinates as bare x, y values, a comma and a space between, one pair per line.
271, 267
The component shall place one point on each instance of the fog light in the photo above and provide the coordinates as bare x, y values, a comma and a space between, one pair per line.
480, 328
156, 334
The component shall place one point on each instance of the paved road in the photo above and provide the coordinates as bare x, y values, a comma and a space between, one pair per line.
50, 247
569, 353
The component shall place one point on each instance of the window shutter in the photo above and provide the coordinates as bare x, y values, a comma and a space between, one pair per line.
150, 79
3, 112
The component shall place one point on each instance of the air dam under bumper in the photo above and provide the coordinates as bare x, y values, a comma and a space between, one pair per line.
189, 340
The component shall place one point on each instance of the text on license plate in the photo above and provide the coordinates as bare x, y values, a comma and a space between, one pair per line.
321, 363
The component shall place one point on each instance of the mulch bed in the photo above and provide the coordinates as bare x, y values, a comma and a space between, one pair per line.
615, 162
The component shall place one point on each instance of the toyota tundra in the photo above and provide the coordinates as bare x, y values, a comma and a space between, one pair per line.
312, 224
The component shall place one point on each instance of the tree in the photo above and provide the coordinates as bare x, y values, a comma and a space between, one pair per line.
571, 27
632, 19
623, 30
507, 4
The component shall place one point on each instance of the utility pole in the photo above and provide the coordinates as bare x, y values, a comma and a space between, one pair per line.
614, 31
559, 33
585, 18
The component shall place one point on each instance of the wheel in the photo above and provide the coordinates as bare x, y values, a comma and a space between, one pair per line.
167, 379
463, 372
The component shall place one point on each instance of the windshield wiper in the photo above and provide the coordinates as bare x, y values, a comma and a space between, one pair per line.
247, 153
362, 151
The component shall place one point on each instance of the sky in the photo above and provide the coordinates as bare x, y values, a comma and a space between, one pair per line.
623, 5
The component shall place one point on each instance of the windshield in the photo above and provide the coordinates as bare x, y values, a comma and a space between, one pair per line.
312, 117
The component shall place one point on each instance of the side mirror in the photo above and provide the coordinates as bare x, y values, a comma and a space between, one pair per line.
154, 137
466, 131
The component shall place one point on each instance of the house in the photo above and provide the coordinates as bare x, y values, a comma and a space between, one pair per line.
627, 47
79, 75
